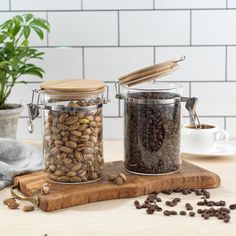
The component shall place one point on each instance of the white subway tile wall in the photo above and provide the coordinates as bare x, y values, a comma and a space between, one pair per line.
104, 39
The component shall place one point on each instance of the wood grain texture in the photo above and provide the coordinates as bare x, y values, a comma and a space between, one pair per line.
63, 196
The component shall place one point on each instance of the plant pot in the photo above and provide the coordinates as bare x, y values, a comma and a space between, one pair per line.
9, 120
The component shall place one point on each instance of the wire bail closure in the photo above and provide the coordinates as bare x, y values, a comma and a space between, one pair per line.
33, 110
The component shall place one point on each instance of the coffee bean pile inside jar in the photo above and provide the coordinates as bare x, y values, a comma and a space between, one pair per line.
73, 130
152, 132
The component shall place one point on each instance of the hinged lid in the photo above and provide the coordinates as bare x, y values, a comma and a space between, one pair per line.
75, 85
151, 72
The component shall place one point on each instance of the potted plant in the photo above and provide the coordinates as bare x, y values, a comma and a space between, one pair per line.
16, 60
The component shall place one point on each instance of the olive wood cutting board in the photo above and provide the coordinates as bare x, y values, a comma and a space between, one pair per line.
67, 195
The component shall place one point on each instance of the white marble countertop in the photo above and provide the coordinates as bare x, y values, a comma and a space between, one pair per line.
119, 217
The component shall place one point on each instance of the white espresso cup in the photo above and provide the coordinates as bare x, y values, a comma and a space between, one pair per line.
203, 140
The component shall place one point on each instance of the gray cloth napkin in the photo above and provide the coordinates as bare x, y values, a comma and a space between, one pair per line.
17, 158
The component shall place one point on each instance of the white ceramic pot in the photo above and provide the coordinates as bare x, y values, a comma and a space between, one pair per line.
9, 120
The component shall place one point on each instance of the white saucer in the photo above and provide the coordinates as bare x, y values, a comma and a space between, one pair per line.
221, 151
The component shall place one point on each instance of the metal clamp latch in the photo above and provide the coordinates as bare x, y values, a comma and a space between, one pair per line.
106, 99
33, 110
190, 105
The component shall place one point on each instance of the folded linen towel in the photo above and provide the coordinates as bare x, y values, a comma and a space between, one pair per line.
17, 158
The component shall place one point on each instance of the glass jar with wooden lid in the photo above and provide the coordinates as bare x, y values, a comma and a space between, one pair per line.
72, 128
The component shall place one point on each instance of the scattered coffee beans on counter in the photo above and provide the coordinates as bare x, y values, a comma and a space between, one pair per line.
221, 213
9, 201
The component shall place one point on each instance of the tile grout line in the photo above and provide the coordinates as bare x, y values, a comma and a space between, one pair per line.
225, 123
154, 55
83, 64
81, 5
131, 10
226, 63
190, 27
190, 89
118, 27
9, 5
227, 2
154, 4
47, 32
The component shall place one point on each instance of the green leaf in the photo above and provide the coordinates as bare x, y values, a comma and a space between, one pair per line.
29, 17
38, 31
25, 43
16, 29
26, 32
41, 23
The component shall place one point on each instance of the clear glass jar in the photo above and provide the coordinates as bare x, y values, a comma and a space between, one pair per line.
152, 116
72, 134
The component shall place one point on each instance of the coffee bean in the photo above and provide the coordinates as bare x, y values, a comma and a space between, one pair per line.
136, 202
158, 209
176, 200
199, 211
200, 203
182, 213
188, 207
166, 213
168, 203
138, 207
173, 212
226, 220
222, 203
232, 207
192, 214
158, 199
184, 192
167, 192
150, 211
172, 204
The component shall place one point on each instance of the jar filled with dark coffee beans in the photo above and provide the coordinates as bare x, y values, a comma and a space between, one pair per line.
152, 114
72, 129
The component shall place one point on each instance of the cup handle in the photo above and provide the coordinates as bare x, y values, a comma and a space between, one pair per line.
221, 136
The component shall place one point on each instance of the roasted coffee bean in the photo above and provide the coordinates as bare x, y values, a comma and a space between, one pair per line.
136, 202
138, 207
144, 205
222, 203
199, 211
158, 199
158, 208
177, 190
173, 213
200, 203
153, 134
168, 203
188, 207
192, 214
172, 204
198, 192
9, 201
182, 213
167, 192
226, 220
232, 207
150, 211
166, 213
184, 191
225, 209
176, 199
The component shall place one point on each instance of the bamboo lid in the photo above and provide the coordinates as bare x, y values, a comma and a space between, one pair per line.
72, 89
79, 85
151, 72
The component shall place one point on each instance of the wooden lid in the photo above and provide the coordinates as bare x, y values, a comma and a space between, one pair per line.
75, 85
151, 72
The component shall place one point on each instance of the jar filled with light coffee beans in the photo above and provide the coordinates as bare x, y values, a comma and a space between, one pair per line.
72, 129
